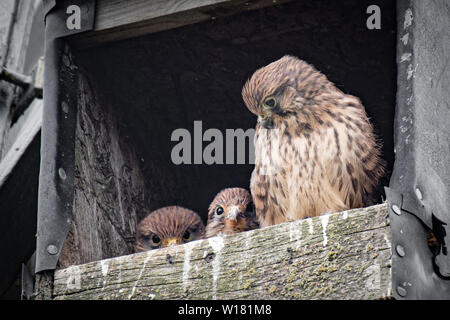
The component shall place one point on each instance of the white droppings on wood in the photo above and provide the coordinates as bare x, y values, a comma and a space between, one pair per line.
409, 72
388, 241
295, 233
310, 224
324, 221
291, 233
217, 243
74, 279
345, 215
373, 274
405, 39
405, 57
149, 255
408, 19
187, 263
105, 267
257, 270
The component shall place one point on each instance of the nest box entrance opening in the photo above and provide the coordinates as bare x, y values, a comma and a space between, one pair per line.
134, 94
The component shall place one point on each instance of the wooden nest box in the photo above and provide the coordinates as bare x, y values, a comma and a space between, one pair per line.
138, 70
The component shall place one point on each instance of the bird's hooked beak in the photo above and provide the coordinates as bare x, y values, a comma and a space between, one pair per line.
266, 121
171, 242
233, 213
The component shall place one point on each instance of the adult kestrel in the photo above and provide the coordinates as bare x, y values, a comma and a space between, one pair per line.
315, 149
168, 226
230, 212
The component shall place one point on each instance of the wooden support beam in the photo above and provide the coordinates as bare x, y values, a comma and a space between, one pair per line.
345, 255
118, 20
30, 129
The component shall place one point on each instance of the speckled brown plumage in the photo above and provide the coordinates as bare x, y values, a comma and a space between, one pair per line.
231, 212
168, 226
315, 150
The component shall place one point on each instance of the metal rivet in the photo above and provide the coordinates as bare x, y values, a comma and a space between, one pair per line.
396, 209
401, 291
62, 173
419, 194
400, 250
52, 249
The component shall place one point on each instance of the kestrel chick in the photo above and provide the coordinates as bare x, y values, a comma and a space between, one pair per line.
315, 150
230, 212
168, 226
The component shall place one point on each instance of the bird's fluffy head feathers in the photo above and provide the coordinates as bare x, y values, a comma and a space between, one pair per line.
168, 223
282, 88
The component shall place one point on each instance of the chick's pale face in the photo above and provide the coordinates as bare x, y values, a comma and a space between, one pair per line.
230, 212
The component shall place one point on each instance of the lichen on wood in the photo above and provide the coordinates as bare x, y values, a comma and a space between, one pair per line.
337, 256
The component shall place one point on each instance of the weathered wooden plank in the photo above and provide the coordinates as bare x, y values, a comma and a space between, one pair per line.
117, 20
338, 256
108, 186
30, 129
15, 40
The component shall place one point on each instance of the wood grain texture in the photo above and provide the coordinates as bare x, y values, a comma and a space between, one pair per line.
339, 256
108, 185
118, 20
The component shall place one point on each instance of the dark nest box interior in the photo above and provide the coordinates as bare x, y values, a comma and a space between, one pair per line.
134, 93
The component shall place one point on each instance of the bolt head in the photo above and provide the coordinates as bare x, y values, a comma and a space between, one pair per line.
401, 291
62, 173
419, 194
396, 209
400, 250
52, 249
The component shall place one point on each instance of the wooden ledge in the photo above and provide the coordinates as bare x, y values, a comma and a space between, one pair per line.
344, 255
118, 20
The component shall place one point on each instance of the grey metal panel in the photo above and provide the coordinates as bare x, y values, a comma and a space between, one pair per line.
56, 179
56, 176
421, 175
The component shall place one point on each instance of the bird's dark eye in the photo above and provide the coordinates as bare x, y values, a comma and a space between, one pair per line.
219, 211
187, 236
270, 103
155, 240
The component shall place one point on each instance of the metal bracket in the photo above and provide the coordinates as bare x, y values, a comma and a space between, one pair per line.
415, 273
418, 189
56, 176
